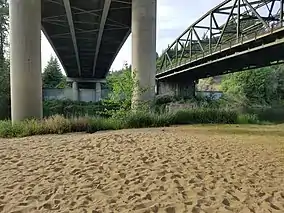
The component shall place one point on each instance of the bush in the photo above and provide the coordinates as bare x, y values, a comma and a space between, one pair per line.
247, 119
205, 116
79, 124
99, 124
164, 99
147, 119
273, 114
138, 120
7, 130
68, 108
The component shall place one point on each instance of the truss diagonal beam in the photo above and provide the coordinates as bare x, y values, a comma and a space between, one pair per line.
281, 12
271, 8
101, 30
226, 24
72, 31
256, 13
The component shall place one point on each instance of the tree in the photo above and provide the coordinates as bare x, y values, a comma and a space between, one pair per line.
121, 85
260, 86
52, 76
63, 83
4, 19
5, 101
207, 84
4, 62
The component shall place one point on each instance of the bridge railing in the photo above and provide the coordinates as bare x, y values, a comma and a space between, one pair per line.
230, 43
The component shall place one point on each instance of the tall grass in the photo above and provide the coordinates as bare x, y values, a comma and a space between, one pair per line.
69, 108
60, 125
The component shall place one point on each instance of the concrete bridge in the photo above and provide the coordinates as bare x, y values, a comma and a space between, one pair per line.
87, 35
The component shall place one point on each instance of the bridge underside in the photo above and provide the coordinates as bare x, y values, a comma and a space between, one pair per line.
86, 35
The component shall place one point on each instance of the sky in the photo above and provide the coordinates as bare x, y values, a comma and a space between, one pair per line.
173, 17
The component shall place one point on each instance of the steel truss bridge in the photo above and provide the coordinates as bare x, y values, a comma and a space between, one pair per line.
236, 35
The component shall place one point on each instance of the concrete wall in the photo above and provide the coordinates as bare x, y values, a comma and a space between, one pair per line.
87, 95
176, 87
90, 94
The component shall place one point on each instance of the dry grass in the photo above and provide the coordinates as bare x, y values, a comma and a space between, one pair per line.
59, 125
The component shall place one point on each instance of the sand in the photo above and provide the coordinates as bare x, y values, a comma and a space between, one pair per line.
171, 170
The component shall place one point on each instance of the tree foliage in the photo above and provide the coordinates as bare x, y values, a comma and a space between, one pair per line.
207, 84
121, 85
260, 86
4, 19
4, 62
4, 90
52, 76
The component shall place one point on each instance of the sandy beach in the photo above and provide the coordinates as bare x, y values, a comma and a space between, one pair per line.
168, 170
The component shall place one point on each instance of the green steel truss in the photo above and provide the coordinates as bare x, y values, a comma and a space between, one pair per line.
229, 23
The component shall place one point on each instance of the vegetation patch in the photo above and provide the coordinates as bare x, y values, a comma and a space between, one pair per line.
141, 119
68, 108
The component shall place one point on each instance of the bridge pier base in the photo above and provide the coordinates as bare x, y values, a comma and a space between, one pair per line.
143, 50
98, 91
75, 90
180, 88
25, 59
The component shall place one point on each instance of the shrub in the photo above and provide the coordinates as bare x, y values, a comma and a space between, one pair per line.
70, 109
138, 120
272, 114
164, 99
146, 119
203, 116
7, 130
163, 120
99, 124
79, 124
247, 119
56, 125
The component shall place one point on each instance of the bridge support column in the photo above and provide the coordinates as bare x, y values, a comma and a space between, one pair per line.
98, 91
75, 90
25, 59
143, 50
180, 88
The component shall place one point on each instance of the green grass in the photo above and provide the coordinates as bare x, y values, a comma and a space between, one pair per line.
60, 125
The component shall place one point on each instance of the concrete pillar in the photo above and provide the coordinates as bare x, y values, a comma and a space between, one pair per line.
25, 56
98, 91
75, 90
144, 14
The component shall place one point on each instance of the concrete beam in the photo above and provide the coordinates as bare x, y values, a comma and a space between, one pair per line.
101, 30
72, 31
25, 59
86, 80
